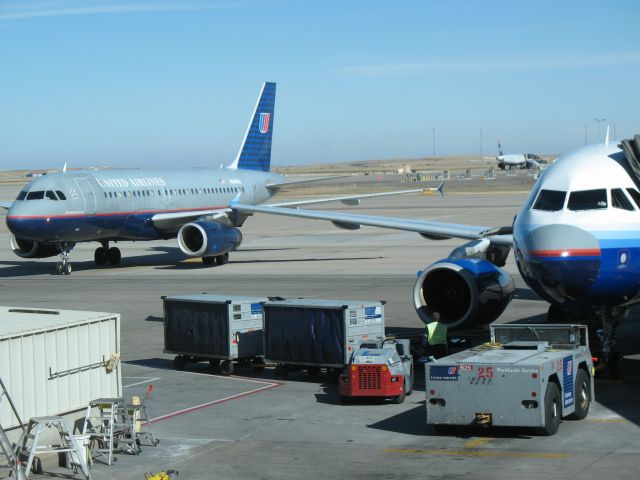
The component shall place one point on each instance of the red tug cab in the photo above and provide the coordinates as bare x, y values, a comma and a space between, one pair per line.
385, 372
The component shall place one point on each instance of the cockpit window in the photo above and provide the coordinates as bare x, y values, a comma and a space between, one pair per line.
50, 195
635, 195
22, 195
550, 200
588, 200
61, 195
620, 200
35, 195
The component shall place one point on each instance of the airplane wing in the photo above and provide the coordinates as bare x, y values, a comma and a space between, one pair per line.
355, 199
426, 228
174, 220
5, 205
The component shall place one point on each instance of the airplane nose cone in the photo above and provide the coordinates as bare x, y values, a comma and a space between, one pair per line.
559, 262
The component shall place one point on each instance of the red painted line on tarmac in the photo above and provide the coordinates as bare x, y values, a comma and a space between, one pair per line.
184, 411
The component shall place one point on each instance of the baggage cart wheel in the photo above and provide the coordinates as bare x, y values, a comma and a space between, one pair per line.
313, 371
552, 410
226, 367
258, 364
179, 363
582, 395
280, 372
214, 363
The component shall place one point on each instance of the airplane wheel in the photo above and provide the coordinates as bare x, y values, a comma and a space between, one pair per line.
114, 256
59, 268
100, 256
208, 260
222, 259
66, 269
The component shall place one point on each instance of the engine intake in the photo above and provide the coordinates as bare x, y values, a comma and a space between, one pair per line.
31, 249
465, 292
200, 239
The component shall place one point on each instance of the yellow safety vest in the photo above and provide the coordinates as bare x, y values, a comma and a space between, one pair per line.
436, 333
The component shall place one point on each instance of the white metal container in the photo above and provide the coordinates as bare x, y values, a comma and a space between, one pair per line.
53, 362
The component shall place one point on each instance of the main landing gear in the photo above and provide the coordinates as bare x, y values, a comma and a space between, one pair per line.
104, 255
217, 260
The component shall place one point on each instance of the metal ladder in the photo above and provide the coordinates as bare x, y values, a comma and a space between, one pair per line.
10, 451
110, 428
31, 440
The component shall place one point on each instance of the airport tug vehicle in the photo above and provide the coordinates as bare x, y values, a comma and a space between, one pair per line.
527, 376
384, 371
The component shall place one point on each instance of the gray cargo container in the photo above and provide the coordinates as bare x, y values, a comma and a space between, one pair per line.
217, 328
316, 333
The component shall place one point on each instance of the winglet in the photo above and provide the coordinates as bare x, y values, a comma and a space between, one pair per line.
606, 138
440, 189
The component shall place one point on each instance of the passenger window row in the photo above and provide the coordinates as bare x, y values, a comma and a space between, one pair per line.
553, 200
173, 192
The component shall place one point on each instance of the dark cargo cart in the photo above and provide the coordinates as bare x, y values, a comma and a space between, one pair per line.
311, 334
218, 328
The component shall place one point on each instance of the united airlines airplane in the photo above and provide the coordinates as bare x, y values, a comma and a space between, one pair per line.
518, 160
56, 211
576, 242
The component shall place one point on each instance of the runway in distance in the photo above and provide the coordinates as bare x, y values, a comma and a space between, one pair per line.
56, 211
518, 160
576, 242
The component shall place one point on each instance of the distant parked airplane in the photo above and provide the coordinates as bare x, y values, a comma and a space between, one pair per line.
54, 212
518, 160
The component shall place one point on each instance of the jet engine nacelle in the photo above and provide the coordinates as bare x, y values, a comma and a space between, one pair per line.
32, 249
204, 239
465, 292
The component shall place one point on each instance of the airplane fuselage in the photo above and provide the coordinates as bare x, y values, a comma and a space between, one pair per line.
102, 205
577, 237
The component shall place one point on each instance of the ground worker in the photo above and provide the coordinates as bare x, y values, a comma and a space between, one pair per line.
436, 336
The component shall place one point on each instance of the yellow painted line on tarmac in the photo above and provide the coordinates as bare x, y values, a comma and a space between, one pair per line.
605, 420
478, 442
192, 260
480, 453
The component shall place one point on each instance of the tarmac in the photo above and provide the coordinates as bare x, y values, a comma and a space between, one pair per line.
251, 426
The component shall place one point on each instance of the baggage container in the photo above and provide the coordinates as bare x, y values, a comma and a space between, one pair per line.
317, 333
217, 328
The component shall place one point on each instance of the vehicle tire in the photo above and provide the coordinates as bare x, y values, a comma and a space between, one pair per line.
258, 364
552, 410
226, 367
208, 260
67, 269
214, 363
280, 372
313, 371
582, 389
100, 256
399, 399
114, 256
179, 363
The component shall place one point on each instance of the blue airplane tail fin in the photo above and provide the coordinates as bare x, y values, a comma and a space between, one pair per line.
500, 148
255, 152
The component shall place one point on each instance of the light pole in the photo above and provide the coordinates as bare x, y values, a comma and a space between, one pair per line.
433, 142
599, 121
481, 159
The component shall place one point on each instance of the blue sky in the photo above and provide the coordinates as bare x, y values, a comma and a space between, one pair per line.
172, 83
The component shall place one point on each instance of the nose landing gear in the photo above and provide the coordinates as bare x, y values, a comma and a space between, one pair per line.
63, 267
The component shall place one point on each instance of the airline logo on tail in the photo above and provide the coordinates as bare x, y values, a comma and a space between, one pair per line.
264, 122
